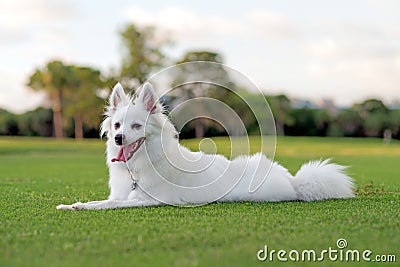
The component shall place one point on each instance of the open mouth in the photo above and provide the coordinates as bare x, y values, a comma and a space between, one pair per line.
125, 153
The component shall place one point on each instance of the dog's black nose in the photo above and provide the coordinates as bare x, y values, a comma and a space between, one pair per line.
118, 139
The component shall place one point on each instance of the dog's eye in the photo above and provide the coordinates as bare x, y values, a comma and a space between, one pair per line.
136, 126
117, 125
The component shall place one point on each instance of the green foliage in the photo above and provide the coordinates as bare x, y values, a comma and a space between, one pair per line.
394, 119
201, 56
38, 122
374, 124
32, 123
37, 174
347, 123
305, 122
187, 84
76, 95
141, 53
203, 72
81, 101
375, 116
8, 124
280, 106
53, 79
72, 91
370, 106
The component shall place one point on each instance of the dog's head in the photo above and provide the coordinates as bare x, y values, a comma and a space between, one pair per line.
129, 123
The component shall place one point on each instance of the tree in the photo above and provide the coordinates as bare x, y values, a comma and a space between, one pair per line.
395, 122
72, 91
375, 124
370, 106
215, 73
53, 79
201, 56
280, 106
192, 81
37, 122
322, 120
81, 101
375, 116
8, 123
347, 123
141, 53
304, 122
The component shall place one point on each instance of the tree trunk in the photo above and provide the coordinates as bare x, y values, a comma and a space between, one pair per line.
78, 126
199, 129
280, 128
57, 116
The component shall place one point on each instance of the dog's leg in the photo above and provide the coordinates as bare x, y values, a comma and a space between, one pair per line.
114, 204
70, 207
96, 202
110, 204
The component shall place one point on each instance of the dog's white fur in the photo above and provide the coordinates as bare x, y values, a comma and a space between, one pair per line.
161, 162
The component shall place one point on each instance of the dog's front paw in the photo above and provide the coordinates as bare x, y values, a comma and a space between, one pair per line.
64, 207
76, 206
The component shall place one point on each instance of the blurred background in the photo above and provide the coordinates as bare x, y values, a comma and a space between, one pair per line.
326, 68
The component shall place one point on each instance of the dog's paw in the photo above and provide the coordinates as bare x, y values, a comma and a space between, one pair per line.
65, 207
76, 206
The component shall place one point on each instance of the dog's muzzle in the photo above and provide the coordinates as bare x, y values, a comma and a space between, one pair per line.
119, 138
125, 153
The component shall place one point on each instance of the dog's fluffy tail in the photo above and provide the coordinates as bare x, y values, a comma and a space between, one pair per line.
319, 180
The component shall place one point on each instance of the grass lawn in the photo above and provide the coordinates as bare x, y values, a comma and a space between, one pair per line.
38, 174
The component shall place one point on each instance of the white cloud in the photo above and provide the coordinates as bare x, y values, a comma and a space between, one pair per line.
357, 61
323, 49
185, 24
270, 25
341, 57
17, 13
30, 33
301, 49
15, 98
19, 18
181, 23
354, 71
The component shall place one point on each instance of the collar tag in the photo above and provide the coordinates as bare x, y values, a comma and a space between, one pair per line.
134, 185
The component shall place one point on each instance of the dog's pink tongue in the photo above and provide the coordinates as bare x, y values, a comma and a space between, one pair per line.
120, 156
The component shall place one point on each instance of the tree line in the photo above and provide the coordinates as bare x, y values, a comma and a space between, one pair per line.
76, 97
370, 118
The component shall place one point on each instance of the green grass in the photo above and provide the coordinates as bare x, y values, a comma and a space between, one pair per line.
38, 174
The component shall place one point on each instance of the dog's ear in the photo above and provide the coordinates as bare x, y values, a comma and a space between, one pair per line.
118, 97
148, 98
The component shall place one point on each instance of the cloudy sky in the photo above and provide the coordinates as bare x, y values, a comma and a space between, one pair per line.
345, 50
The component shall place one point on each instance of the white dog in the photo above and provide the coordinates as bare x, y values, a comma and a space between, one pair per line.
149, 167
